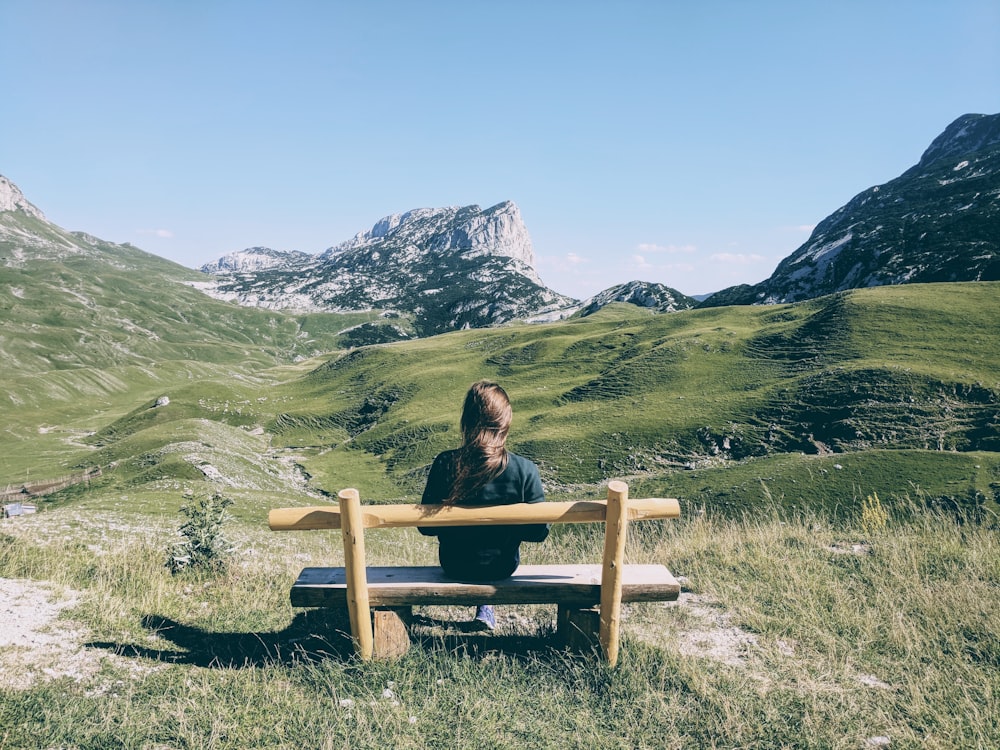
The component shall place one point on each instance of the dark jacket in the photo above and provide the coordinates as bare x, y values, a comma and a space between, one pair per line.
485, 553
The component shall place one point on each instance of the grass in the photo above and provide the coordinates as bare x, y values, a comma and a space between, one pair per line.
837, 484
840, 635
661, 399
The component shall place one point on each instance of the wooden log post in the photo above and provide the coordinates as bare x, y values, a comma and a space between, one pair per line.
391, 637
616, 527
578, 629
355, 570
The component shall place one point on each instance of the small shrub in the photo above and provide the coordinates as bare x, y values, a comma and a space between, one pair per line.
202, 546
874, 517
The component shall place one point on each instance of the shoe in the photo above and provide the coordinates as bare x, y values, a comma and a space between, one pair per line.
485, 619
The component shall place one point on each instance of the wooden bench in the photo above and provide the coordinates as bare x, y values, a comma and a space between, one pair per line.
589, 597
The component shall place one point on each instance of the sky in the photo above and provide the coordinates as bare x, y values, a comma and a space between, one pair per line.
694, 144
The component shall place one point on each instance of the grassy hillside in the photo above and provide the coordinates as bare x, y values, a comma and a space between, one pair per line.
625, 393
91, 329
725, 406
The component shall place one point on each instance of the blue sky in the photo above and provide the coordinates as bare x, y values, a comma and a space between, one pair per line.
691, 143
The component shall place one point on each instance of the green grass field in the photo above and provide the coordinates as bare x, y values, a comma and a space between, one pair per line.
793, 631
807, 619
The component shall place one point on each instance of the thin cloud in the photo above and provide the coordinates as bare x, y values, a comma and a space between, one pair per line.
165, 234
649, 247
642, 264
568, 263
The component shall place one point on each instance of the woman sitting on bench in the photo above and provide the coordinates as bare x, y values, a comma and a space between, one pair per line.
483, 472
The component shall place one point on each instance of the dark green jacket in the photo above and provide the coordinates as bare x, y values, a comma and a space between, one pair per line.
485, 553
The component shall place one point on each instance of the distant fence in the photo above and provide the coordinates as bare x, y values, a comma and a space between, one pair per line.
46, 486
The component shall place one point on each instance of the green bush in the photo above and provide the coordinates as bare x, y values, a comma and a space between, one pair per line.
202, 545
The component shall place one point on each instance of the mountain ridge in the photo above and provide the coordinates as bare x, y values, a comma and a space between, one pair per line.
448, 268
650, 295
938, 221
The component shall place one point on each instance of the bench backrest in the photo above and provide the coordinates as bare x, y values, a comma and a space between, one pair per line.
352, 519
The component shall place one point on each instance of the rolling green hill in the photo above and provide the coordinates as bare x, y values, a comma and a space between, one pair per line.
628, 394
894, 390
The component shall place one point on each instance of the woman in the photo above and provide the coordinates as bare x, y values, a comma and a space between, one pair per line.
483, 472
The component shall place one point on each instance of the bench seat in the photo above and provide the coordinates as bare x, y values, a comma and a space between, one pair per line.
577, 586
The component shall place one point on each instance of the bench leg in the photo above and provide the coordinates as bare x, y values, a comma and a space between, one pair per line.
391, 637
578, 629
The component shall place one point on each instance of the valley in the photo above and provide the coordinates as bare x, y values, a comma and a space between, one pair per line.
669, 401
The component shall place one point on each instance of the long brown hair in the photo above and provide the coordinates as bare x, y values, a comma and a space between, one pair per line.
486, 418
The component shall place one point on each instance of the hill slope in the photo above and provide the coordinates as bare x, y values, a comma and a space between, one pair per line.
618, 393
623, 393
91, 327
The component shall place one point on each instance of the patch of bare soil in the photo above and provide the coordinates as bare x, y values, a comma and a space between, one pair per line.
709, 631
36, 644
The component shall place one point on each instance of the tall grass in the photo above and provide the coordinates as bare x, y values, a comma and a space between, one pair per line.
845, 634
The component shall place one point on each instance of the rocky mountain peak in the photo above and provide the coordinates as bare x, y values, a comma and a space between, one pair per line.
650, 295
255, 259
12, 199
498, 230
965, 136
468, 231
445, 268
938, 221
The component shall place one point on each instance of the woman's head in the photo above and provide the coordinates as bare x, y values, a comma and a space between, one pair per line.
486, 418
486, 415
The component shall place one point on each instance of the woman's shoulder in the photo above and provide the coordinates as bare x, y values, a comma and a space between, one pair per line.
520, 463
445, 458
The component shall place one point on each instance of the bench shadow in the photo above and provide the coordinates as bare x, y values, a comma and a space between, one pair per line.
313, 636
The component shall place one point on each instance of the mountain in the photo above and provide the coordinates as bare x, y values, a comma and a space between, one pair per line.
85, 317
652, 296
938, 221
447, 268
12, 199
256, 259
